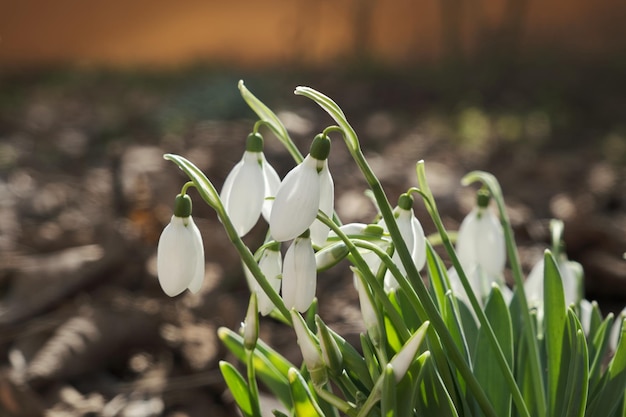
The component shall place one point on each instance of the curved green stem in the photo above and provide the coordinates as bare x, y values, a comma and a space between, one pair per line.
377, 288
385, 208
484, 322
270, 120
252, 384
492, 184
210, 195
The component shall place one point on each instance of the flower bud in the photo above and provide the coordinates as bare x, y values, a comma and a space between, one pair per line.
311, 353
251, 324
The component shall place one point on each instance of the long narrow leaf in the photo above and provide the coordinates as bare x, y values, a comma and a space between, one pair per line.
238, 387
555, 322
491, 377
268, 364
304, 404
609, 395
272, 121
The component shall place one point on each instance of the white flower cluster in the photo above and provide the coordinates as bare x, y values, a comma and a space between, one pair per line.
251, 189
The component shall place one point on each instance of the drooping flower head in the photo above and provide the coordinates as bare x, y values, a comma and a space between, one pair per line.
305, 189
270, 264
248, 186
571, 274
299, 274
481, 249
180, 253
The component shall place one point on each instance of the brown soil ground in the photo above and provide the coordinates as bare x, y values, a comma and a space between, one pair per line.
84, 194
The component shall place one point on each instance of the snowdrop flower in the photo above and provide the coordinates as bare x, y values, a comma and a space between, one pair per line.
299, 274
311, 352
248, 186
305, 189
482, 252
571, 277
368, 309
413, 236
180, 253
270, 264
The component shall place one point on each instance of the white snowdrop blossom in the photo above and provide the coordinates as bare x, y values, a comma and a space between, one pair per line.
571, 277
299, 196
481, 249
180, 252
299, 279
248, 186
319, 231
368, 310
271, 265
272, 182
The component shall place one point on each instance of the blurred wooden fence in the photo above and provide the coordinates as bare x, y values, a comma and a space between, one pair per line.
253, 32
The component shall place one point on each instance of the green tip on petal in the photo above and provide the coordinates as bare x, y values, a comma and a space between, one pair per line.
320, 147
482, 198
405, 201
182, 206
254, 142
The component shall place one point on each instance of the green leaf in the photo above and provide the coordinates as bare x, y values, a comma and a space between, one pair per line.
270, 366
238, 387
371, 360
273, 122
304, 404
609, 395
432, 397
389, 395
354, 363
490, 377
453, 324
597, 351
555, 322
574, 377
205, 188
436, 275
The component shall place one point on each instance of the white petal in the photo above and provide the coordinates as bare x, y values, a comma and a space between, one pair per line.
419, 244
271, 265
272, 182
533, 286
297, 201
319, 231
299, 275
571, 282
586, 309
177, 256
481, 242
243, 193
370, 319
198, 279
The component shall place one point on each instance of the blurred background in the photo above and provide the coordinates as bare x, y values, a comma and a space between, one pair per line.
93, 93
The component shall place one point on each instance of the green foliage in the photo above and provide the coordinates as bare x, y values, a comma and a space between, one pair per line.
442, 352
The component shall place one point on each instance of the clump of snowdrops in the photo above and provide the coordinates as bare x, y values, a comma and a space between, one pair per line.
438, 341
